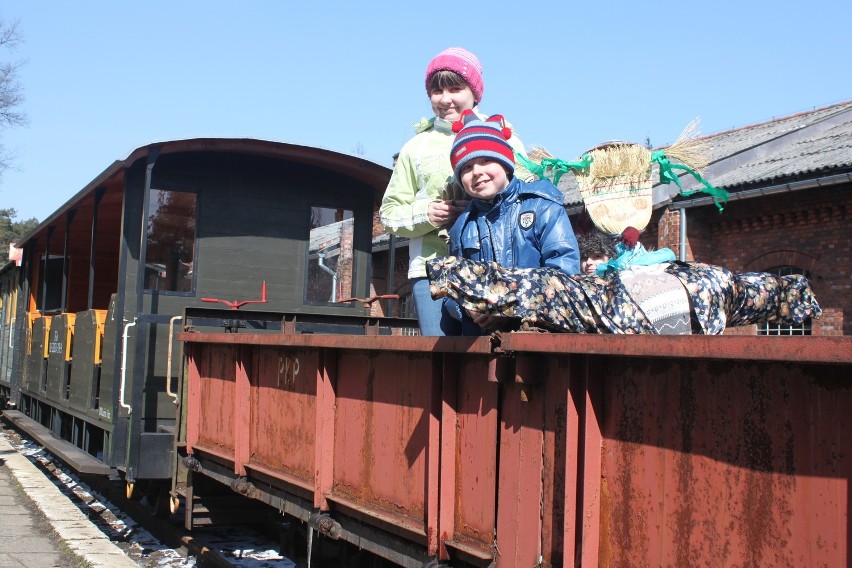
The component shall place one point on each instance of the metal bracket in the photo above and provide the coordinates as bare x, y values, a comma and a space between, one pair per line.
324, 524
243, 486
192, 464
232, 325
237, 304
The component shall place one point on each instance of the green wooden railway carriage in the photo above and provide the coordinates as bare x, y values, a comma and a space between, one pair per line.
230, 223
8, 315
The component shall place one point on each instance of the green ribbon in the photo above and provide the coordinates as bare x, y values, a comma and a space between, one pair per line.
667, 175
553, 166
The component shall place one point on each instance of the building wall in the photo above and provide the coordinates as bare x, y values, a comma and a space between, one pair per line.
403, 306
400, 307
809, 229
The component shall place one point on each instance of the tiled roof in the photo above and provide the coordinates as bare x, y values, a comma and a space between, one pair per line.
805, 145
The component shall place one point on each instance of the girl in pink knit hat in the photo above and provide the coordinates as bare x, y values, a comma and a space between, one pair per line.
422, 201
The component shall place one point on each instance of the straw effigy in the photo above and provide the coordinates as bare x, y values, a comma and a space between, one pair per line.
616, 188
615, 178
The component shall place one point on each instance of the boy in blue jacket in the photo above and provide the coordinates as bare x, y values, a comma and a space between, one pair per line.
508, 221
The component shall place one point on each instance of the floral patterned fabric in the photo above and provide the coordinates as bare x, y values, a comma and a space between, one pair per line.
547, 298
765, 298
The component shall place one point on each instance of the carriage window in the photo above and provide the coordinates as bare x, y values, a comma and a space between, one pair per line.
10, 303
330, 264
170, 241
52, 278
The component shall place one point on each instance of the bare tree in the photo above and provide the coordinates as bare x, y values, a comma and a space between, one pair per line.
11, 91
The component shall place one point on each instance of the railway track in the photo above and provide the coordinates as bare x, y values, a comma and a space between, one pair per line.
151, 540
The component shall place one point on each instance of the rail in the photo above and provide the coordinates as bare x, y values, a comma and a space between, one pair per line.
124, 367
169, 391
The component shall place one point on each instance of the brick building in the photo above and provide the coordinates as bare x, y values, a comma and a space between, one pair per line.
789, 212
790, 182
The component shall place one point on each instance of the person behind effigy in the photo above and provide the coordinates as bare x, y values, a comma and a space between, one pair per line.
421, 200
595, 249
514, 223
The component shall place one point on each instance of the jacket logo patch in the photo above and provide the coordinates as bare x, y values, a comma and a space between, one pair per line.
527, 219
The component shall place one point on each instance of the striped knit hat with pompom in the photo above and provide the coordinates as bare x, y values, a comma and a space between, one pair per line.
477, 138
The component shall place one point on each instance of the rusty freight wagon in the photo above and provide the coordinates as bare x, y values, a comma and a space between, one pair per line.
534, 450
218, 222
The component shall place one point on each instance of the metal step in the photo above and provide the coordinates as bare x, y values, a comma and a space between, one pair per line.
79, 460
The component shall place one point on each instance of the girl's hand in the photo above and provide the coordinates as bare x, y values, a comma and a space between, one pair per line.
443, 213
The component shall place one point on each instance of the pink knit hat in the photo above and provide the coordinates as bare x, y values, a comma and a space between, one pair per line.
463, 63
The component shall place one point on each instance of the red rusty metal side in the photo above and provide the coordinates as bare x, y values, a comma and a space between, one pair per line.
434, 449
691, 451
476, 444
417, 344
215, 398
382, 434
763, 348
735, 463
242, 410
284, 412
326, 379
447, 477
193, 397
561, 456
520, 483
591, 483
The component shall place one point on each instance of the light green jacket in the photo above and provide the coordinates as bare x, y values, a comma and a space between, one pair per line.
423, 174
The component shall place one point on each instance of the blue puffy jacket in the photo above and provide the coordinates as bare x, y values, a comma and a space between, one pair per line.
525, 226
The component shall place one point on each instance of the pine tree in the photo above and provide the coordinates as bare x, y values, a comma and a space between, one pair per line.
11, 230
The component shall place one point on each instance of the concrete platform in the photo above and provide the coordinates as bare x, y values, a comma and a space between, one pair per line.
38, 522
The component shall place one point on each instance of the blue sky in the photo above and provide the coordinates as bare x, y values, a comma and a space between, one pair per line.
103, 78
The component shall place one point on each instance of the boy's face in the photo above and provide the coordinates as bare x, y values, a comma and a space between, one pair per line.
448, 103
483, 178
590, 264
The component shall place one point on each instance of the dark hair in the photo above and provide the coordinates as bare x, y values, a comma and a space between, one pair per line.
595, 243
446, 78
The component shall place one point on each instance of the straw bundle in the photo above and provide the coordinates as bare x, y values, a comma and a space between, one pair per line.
690, 150
537, 154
